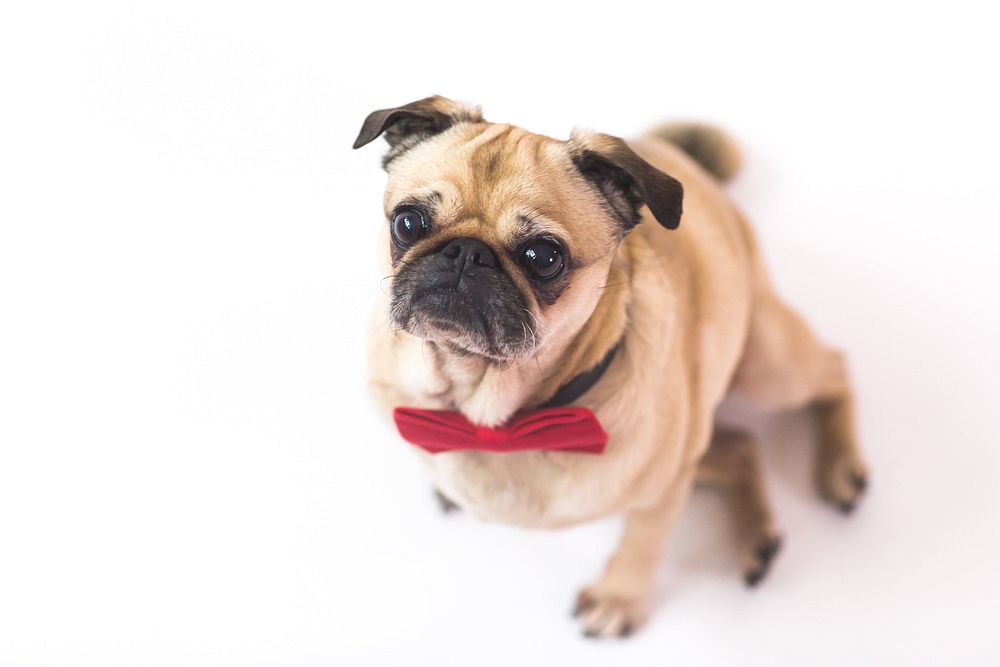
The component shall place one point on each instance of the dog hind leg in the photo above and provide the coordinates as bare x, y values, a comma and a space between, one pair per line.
784, 366
731, 465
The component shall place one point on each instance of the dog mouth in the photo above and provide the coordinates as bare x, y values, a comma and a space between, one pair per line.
466, 325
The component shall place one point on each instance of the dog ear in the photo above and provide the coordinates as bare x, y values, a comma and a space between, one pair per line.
410, 124
626, 180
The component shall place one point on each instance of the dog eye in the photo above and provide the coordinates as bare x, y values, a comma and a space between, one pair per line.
408, 227
544, 259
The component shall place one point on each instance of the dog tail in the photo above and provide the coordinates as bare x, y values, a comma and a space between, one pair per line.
709, 146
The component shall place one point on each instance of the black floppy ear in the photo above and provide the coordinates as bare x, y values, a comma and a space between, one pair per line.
626, 180
407, 125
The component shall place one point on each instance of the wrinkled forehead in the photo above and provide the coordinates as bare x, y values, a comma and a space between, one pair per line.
500, 179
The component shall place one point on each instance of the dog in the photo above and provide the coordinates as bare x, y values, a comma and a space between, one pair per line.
523, 267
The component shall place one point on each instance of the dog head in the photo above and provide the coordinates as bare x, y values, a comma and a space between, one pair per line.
499, 240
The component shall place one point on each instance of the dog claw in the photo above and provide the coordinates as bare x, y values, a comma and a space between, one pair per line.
445, 503
843, 486
860, 481
767, 550
847, 508
753, 577
582, 606
765, 555
607, 617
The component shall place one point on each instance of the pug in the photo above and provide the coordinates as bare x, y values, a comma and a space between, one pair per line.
561, 320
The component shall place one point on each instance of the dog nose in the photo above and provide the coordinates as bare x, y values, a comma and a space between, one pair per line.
468, 252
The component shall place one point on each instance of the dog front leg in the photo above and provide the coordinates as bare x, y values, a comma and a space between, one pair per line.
619, 602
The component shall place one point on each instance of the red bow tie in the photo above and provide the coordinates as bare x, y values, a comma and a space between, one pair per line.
568, 429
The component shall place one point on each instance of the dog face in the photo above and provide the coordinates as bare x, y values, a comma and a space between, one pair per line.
499, 240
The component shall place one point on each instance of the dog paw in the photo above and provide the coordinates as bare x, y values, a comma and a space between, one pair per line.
757, 561
445, 503
603, 616
842, 483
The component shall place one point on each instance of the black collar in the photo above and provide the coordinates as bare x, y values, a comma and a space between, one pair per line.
579, 385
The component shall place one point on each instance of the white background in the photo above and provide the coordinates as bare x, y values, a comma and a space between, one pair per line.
191, 472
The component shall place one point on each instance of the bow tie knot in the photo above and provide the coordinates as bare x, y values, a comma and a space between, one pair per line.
497, 436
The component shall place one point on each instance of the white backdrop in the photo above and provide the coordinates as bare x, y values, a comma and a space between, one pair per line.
190, 469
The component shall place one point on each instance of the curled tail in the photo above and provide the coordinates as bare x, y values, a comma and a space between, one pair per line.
709, 146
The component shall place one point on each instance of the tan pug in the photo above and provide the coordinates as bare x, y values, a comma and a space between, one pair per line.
519, 262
